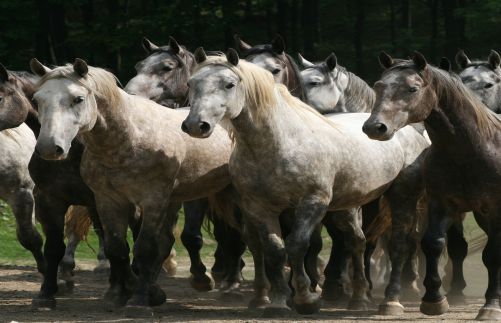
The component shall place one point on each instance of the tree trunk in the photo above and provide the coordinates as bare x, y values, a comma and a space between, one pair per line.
433, 5
359, 30
228, 9
282, 18
393, 27
310, 25
294, 30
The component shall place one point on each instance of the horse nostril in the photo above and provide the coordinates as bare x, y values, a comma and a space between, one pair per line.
204, 126
59, 150
184, 127
381, 128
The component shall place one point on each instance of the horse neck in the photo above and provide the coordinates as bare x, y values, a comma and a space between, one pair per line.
358, 96
451, 125
28, 88
292, 81
112, 129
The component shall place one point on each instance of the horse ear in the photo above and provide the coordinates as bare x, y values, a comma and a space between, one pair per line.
174, 46
445, 64
385, 60
419, 60
38, 68
200, 55
232, 56
278, 44
80, 67
240, 44
331, 61
149, 46
494, 59
304, 61
4, 74
461, 59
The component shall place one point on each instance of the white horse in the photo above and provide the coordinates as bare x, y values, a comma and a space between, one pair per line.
287, 155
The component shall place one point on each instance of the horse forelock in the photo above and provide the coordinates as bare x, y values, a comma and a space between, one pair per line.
100, 82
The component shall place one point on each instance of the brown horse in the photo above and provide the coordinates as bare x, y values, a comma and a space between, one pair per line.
462, 168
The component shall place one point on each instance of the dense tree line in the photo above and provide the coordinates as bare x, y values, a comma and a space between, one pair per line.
108, 32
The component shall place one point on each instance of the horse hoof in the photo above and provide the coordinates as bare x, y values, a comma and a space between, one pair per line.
259, 302
392, 308
202, 284
135, 311
170, 267
456, 299
308, 308
437, 308
276, 312
156, 296
358, 305
44, 303
489, 314
65, 287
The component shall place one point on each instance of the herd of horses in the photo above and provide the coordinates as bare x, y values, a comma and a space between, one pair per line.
270, 154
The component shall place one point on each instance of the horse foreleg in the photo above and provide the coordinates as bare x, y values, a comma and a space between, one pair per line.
194, 213
433, 243
51, 216
309, 214
22, 203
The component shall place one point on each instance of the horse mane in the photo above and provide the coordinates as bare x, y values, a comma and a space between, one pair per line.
358, 93
451, 90
261, 93
100, 82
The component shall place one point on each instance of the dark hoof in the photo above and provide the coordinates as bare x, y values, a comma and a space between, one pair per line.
44, 303
202, 284
437, 308
358, 305
135, 311
309, 308
115, 300
391, 308
259, 302
276, 312
489, 314
456, 299
103, 267
65, 287
156, 296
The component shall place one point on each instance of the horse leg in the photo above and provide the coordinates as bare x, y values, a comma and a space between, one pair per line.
50, 213
103, 265
355, 238
333, 290
410, 274
309, 214
114, 213
457, 248
261, 284
22, 203
491, 256
433, 243
312, 259
231, 247
151, 248
194, 212
67, 264
369, 213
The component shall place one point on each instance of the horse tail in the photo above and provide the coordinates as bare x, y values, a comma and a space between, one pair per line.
77, 222
221, 205
381, 223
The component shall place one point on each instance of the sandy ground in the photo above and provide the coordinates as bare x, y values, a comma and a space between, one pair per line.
18, 284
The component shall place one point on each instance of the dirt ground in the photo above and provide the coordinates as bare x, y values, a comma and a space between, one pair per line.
18, 284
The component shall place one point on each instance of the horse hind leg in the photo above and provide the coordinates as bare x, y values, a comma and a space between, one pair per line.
191, 237
457, 248
22, 203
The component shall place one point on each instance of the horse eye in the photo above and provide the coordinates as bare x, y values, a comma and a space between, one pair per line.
413, 89
314, 83
78, 99
488, 85
1, 98
275, 71
34, 101
167, 68
230, 85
